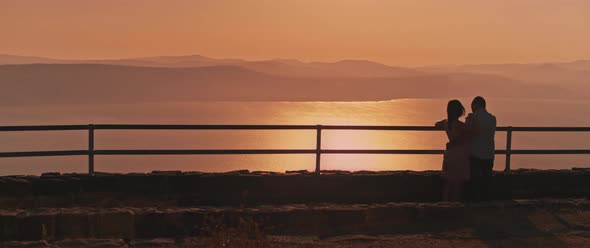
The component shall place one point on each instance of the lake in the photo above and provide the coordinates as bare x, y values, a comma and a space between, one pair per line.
514, 112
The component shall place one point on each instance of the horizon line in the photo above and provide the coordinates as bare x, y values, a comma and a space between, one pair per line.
295, 59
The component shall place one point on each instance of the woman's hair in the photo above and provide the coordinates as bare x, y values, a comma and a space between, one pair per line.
454, 110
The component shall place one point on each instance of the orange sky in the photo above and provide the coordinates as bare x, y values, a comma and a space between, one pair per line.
395, 32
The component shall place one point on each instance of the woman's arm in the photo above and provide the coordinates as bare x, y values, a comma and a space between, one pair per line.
440, 124
461, 134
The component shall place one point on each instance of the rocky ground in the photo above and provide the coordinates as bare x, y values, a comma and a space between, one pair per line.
464, 238
523, 223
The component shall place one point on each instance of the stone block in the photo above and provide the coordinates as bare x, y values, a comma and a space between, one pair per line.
149, 223
153, 243
343, 220
94, 243
8, 226
16, 186
102, 183
36, 225
56, 185
384, 218
72, 224
306, 222
182, 222
143, 184
26, 244
113, 223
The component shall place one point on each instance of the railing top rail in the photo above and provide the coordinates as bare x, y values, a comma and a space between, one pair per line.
546, 129
204, 126
268, 127
43, 128
274, 151
431, 128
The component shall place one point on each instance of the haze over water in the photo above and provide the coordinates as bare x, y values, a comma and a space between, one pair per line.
514, 112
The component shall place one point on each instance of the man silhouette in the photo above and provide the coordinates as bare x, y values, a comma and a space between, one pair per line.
481, 159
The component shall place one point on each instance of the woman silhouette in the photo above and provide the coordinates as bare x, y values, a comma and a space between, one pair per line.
455, 172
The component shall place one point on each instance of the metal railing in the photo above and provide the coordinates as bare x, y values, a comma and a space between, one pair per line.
318, 151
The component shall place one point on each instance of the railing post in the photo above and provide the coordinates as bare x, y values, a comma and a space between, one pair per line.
318, 149
91, 149
508, 147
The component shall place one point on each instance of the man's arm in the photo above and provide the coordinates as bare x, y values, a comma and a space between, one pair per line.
473, 124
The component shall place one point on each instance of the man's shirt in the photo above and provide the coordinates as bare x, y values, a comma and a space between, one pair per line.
482, 144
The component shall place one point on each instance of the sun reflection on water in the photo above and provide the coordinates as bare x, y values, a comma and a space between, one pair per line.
398, 112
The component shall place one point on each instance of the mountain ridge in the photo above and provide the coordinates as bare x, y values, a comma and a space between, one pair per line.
99, 83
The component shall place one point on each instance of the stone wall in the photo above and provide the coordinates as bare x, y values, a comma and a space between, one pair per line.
175, 188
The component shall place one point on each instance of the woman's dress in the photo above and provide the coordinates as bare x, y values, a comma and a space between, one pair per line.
456, 156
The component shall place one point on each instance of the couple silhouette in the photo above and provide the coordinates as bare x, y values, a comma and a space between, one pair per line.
469, 155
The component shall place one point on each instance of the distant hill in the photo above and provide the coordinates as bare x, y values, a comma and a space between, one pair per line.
572, 73
33, 84
291, 68
578, 65
6, 59
344, 68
